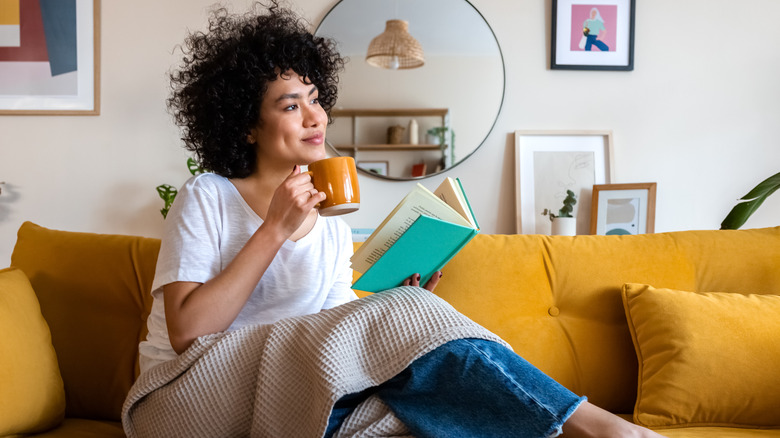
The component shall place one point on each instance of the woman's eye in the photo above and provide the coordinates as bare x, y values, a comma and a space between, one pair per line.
291, 107
315, 101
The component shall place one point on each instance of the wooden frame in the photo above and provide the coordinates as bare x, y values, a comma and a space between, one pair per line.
34, 88
572, 49
547, 163
374, 167
619, 209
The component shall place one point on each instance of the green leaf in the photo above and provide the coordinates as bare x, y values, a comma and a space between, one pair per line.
749, 203
193, 166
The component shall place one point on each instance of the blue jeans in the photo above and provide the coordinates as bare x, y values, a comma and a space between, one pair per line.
600, 44
470, 388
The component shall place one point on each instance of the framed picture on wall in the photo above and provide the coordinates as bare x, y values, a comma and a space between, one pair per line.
50, 57
377, 167
592, 35
620, 209
547, 164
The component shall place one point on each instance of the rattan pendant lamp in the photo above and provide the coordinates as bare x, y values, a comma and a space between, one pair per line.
394, 48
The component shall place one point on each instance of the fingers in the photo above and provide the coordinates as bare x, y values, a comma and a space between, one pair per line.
414, 280
431, 284
302, 190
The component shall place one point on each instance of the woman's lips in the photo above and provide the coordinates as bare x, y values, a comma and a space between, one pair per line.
316, 139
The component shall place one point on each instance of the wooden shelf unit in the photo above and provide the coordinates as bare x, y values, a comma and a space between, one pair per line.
354, 114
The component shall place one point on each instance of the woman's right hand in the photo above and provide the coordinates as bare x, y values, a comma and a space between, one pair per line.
292, 202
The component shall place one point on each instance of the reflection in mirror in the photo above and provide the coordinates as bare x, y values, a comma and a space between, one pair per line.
407, 123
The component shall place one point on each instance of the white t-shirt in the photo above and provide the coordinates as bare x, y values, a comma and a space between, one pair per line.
208, 225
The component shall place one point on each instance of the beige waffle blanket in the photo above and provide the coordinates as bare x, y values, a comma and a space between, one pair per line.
282, 379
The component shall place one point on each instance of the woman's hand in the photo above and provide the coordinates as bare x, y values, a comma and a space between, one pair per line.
414, 280
292, 202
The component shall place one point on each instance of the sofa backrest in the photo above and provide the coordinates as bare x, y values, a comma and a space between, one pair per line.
94, 294
557, 299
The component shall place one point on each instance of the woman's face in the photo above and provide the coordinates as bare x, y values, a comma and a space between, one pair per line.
593, 13
292, 123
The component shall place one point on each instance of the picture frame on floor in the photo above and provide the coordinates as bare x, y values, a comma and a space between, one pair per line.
547, 164
621, 209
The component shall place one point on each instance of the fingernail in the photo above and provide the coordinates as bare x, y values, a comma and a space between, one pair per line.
418, 277
441, 274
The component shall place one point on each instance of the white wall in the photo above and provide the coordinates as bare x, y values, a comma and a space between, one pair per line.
699, 115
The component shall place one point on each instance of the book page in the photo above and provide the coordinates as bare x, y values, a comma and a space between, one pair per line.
419, 201
450, 192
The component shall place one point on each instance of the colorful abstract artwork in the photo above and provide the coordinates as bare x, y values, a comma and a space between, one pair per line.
47, 54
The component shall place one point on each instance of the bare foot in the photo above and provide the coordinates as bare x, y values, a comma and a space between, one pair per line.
590, 421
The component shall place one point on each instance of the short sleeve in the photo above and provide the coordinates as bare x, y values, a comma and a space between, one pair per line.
190, 249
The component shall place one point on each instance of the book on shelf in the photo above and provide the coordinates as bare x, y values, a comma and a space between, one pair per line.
424, 231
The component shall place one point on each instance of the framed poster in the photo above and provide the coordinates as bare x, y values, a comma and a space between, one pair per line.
592, 35
620, 209
547, 164
377, 167
50, 57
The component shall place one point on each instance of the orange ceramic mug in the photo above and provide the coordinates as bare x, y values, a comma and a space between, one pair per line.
337, 178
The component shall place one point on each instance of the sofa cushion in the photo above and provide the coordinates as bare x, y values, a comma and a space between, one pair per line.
94, 291
705, 359
32, 397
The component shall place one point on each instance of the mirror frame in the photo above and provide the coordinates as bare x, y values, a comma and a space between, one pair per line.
481, 143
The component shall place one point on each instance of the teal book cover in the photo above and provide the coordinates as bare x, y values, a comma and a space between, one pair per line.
424, 248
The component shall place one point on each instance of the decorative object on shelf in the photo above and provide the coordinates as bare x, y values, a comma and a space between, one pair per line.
419, 169
168, 192
550, 162
395, 134
439, 133
593, 36
620, 209
395, 48
564, 224
749, 203
377, 167
68, 83
414, 132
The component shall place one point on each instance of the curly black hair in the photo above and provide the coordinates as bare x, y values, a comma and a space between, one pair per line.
217, 91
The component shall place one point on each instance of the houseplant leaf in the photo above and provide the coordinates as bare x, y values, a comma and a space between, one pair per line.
749, 203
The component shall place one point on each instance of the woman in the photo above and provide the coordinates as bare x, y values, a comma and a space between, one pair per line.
245, 251
595, 31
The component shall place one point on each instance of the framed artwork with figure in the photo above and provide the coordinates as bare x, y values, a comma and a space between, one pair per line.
621, 209
50, 57
592, 35
547, 164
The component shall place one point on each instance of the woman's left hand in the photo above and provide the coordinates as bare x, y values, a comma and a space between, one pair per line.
414, 280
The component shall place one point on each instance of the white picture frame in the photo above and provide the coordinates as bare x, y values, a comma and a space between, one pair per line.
547, 163
374, 167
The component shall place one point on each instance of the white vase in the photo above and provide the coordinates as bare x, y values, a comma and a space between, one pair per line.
413, 132
564, 226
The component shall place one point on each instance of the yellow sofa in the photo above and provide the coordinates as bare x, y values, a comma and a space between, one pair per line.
678, 331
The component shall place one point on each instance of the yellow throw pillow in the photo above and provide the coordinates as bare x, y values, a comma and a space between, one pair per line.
32, 395
705, 359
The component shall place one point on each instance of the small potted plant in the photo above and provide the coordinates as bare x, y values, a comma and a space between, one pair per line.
564, 224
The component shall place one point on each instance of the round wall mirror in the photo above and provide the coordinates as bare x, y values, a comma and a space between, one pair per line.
403, 123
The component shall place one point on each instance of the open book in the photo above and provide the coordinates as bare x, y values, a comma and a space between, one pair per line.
420, 235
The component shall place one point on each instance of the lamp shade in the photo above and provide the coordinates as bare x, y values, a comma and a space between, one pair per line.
395, 48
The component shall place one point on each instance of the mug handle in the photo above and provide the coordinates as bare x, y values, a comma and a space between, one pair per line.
311, 175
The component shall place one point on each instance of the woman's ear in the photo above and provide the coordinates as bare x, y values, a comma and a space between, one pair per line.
250, 138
